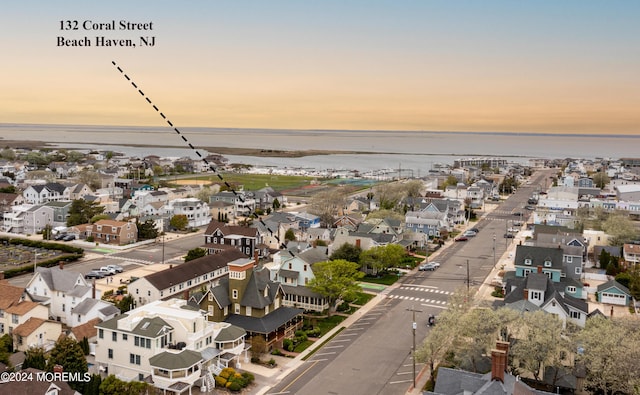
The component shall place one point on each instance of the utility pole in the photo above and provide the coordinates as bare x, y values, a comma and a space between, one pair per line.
468, 280
163, 247
413, 350
494, 250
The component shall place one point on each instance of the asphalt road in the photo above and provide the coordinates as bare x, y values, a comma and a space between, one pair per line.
373, 356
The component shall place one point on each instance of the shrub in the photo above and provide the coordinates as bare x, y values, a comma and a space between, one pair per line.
234, 386
498, 292
220, 381
248, 377
286, 344
226, 373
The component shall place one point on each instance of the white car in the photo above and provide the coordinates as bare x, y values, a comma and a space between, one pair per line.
107, 270
436, 264
116, 268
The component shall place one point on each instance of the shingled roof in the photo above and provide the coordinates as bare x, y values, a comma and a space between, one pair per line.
188, 270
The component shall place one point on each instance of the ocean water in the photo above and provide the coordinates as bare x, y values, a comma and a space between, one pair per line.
417, 152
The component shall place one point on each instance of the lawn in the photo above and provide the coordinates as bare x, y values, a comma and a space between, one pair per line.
329, 323
252, 182
387, 279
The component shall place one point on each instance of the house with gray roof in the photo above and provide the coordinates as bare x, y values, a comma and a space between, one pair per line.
536, 291
61, 290
90, 309
251, 300
168, 343
612, 292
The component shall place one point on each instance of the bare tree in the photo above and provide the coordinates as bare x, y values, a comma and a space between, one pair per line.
328, 204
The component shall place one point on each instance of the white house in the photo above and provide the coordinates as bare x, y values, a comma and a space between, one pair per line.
169, 342
196, 210
60, 290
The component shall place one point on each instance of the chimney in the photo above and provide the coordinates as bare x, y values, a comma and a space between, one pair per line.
498, 364
526, 294
61, 265
358, 243
186, 294
503, 346
58, 369
539, 269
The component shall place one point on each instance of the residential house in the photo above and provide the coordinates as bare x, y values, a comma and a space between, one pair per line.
537, 291
90, 309
222, 211
196, 211
219, 236
38, 194
8, 200
348, 221
243, 204
265, 198
61, 291
77, 191
314, 235
429, 223
306, 220
612, 292
26, 320
36, 218
360, 239
631, 253
60, 212
168, 343
294, 271
108, 231
249, 299
182, 279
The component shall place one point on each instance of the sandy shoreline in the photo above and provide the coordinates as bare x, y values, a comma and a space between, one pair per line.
32, 144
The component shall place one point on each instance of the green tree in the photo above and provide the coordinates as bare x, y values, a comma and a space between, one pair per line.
93, 386
68, 353
604, 259
81, 212
84, 344
290, 235
179, 222
620, 229
381, 258
600, 179
126, 303
348, 252
35, 358
195, 253
609, 350
114, 386
275, 204
336, 280
6, 348
147, 230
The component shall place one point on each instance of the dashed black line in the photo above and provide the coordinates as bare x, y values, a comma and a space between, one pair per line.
209, 166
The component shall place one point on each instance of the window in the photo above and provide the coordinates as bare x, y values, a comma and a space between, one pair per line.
148, 343
535, 295
547, 263
136, 341
571, 289
110, 353
248, 310
134, 359
114, 336
236, 308
149, 293
125, 337
234, 294
578, 270
15, 318
304, 268
527, 261
575, 314
569, 259
101, 333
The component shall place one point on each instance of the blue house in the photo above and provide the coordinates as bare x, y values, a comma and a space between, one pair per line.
612, 292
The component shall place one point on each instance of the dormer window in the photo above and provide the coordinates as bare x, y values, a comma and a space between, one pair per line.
547, 263
527, 261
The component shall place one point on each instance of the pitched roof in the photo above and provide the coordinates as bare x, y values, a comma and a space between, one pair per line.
58, 279
88, 329
230, 229
538, 256
254, 294
188, 270
9, 294
266, 324
22, 308
230, 333
30, 387
613, 284
27, 327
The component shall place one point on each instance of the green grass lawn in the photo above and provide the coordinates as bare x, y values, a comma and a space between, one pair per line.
329, 323
258, 181
387, 279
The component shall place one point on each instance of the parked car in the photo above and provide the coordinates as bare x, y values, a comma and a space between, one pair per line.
474, 230
116, 268
94, 274
509, 236
513, 230
469, 233
436, 264
69, 237
517, 214
532, 201
60, 236
461, 238
107, 270
517, 223
529, 207
427, 267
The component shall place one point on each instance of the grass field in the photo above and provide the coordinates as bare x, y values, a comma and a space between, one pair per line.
254, 182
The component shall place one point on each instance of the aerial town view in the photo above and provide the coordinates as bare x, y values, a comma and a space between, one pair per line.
338, 197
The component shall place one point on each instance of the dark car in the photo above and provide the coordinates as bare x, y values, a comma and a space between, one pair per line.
94, 274
475, 230
517, 214
509, 235
529, 207
532, 201
69, 237
461, 238
60, 236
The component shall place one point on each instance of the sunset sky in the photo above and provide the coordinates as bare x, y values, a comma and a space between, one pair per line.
522, 66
